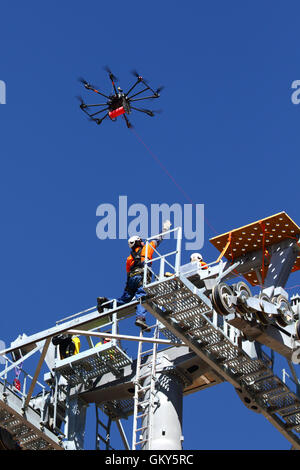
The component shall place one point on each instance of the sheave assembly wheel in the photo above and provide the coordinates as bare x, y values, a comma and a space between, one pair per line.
297, 327
262, 316
243, 292
221, 301
286, 316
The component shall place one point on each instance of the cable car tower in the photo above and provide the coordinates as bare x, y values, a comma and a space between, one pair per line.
210, 327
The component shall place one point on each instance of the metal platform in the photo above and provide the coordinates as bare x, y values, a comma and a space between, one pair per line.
255, 236
95, 362
26, 427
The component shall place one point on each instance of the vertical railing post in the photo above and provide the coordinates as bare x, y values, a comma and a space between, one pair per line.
5, 377
146, 265
114, 327
178, 251
162, 268
55, 400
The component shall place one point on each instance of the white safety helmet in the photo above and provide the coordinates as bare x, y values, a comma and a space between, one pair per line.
133, 240
196, 257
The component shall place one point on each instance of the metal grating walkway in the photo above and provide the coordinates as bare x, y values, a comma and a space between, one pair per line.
185, 314
25, 427
93, 363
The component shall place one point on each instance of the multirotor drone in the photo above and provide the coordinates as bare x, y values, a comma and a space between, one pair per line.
118, 103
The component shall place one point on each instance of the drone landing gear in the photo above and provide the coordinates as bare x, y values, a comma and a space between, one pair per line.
127, 122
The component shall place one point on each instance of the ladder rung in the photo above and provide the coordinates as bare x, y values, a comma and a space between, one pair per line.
145, 376
140, 429
141, 416
102, 424
141, 442
146, 352
143, 389
102, 438
145, 402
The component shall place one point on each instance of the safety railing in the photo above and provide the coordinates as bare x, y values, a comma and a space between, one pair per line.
22, 386
162, 259
196, 267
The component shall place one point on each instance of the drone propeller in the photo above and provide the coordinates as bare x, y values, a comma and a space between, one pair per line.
82, 103
159, 89
111, 75
83, 81
138, 76
86, 84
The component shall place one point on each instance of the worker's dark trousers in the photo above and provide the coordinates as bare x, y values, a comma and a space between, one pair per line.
134, 287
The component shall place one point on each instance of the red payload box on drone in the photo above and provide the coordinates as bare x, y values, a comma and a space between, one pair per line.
116, 112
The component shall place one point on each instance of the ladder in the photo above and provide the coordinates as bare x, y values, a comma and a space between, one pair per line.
144, 395
99, 426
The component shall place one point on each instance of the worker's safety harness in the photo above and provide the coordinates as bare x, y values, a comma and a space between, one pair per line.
137, 269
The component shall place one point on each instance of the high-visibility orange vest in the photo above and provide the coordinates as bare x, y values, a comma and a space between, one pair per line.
136, 260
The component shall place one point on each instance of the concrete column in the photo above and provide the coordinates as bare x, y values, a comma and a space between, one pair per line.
166, 429
75, 423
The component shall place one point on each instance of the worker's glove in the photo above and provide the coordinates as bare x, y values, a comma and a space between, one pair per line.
166, 225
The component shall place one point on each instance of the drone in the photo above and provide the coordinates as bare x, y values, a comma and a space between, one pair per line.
119, 103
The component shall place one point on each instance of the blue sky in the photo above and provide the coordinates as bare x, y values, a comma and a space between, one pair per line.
228, 135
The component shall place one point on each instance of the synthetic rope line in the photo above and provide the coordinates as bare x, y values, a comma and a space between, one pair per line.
225, 248
264, 231
155, 157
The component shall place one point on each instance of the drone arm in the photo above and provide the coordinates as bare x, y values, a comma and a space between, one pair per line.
145, 98
99, 121
98, 112
142, 91
96, 91
133, 86
127, 121
145, 111
113, 83
92, 105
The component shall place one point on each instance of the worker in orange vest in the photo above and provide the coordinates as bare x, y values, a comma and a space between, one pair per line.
135, 273
197, 257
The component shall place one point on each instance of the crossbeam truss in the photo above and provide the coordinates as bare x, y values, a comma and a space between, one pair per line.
181, 301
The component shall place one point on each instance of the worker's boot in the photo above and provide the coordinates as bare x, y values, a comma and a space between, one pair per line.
141, 322
100, 301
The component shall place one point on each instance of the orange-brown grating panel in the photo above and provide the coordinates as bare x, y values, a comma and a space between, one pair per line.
249, 238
